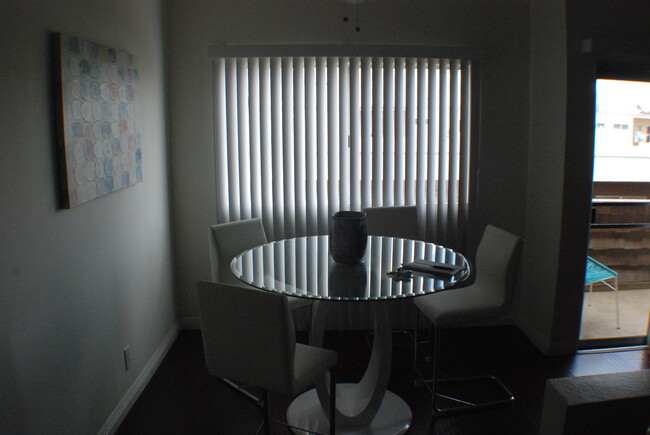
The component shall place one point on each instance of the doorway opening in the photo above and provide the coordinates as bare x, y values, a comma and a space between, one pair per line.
616, 306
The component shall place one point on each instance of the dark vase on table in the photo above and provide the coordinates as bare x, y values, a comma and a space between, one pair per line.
348, 236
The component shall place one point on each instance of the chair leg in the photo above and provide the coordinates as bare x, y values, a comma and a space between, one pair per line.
434, 365
267, 413
416, 339
243, 391
435, 382
333, 401
421, 339
433, 339
618, 315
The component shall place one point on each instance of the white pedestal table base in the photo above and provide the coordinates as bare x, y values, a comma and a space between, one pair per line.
366, 407
393, 416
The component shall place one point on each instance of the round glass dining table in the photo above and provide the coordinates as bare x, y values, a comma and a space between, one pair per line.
302, 267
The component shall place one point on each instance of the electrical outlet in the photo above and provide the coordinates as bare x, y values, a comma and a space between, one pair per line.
127, 357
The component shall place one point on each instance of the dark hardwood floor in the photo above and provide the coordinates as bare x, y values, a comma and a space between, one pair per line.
182, 398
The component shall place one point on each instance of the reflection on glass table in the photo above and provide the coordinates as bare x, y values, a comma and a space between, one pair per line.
302, 267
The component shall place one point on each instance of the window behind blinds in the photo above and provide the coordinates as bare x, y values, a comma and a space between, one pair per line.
299, 138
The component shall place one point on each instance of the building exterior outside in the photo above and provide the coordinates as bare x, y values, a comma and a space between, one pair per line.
622, 173
622, 144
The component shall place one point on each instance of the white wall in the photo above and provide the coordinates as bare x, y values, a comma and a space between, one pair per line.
78, 285
500, 28
545, 169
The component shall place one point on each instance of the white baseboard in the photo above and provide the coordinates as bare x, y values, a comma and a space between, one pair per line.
128, 400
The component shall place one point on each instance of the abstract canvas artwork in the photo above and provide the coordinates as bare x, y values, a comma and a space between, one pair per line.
98, 109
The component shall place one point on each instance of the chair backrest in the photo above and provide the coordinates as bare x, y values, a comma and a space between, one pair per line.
230, 239
396, 221
248, 336
497, 263
597, 272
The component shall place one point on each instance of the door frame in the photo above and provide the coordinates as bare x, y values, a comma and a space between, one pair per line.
613, 67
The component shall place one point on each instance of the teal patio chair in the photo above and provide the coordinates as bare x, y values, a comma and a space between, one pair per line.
597, 272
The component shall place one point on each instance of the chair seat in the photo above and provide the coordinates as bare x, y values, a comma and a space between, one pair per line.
460, 306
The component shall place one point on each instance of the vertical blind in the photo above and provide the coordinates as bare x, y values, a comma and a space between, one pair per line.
299, 138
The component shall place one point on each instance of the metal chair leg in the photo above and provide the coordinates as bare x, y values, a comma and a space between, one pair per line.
416, 339
333, 401
267, 413
243, 391
618, 315
419, 342
434, 374
433, 385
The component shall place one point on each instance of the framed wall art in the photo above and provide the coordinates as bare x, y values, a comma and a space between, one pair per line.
98, 108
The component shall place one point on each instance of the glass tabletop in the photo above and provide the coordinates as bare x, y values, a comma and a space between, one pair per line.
302, 267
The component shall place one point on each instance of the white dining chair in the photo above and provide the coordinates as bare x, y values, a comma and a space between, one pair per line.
393, 221
490, 296
230, 239
249, 337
